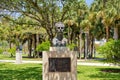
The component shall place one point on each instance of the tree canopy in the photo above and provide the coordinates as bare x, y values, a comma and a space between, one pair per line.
34, 20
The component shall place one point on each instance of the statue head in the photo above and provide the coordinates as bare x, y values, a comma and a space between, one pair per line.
59, 27
59, 40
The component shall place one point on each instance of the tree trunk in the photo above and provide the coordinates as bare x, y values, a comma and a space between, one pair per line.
118, 32
107, 33
80, 41
37, 38
35, 41
50, 33
50, 36
80, 45
10, 45
84, 48
68, 34
30, 47
92, 47
50, 39
115, 33
86, 45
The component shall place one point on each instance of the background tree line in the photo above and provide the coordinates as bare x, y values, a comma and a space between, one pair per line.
32, 21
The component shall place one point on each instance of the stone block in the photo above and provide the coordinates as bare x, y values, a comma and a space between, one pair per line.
59, 75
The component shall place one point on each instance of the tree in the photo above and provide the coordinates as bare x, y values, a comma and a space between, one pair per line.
109, 13
45, 13
81, 13
86, 25
114, 5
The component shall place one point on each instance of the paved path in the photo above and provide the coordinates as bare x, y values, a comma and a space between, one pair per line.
78, 63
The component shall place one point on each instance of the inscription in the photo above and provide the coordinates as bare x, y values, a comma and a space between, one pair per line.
59, 64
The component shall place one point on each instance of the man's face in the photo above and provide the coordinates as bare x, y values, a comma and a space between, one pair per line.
59, 26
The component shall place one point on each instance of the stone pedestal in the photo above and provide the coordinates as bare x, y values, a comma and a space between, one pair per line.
59, 64
18, 57
59, 49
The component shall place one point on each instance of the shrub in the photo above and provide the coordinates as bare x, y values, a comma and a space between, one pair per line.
44, 46
111, 51
71, 46
12, 51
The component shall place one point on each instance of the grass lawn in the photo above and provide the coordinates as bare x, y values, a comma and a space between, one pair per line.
10, 71
5, 57
24, 57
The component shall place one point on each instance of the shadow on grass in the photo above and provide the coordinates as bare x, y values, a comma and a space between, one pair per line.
111, 70
79, 72
28, 73
107, 74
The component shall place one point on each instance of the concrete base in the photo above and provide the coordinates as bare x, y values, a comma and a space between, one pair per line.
72, 75
18, 58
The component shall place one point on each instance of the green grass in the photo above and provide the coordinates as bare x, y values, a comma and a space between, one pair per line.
24, 57
97, 60
10, 71
95, 73
20, 72
6, 57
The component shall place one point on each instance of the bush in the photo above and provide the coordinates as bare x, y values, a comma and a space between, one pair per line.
111, 51
44, 46
12, 51
1, 50
71, 46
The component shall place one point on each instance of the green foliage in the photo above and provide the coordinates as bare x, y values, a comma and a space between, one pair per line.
10, 71
71, 46
111, 51
44, 46
26, 71
1, 50
12, 51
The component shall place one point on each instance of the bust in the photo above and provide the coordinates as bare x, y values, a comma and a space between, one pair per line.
59, 40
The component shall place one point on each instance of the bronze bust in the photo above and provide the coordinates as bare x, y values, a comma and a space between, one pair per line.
59, 40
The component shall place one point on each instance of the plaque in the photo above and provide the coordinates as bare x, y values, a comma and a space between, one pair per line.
59, 64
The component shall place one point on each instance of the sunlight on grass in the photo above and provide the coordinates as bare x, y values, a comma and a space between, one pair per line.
20, 72
10, 71
95, 73
24, 57
6, 57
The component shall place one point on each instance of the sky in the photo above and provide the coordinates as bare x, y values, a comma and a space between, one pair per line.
89, 2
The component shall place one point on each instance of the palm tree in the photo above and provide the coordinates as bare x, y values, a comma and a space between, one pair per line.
81, 13
109, 12
114, 6
86, 25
